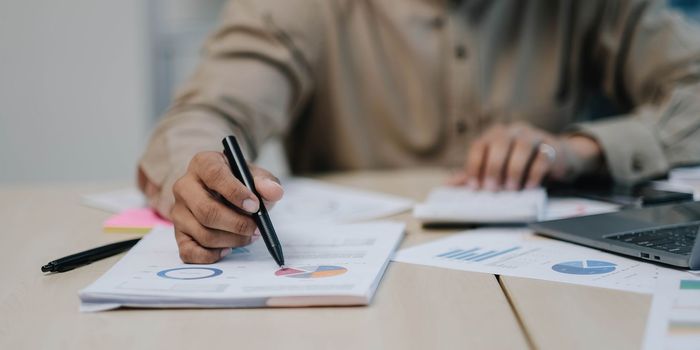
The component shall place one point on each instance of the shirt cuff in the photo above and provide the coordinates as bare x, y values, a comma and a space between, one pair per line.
631, 149
175, 141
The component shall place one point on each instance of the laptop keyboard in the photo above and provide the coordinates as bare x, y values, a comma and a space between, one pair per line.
677, 240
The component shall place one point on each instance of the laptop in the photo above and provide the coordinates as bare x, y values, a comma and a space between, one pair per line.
664, 234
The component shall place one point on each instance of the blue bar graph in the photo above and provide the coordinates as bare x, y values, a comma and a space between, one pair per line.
474, 254
456, 252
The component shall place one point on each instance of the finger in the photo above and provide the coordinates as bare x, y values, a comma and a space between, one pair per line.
186, 223
520, 155
539, 168
495, 164
458, 179
210, 212
212, 169
269, 190
474, 164
260, 173
148, 188
268, 186
193, 253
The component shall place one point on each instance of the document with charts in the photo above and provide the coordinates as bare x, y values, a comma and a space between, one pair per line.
674, 316
326, 265
520, 253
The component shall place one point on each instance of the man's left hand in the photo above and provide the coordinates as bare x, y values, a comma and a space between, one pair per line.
516, 156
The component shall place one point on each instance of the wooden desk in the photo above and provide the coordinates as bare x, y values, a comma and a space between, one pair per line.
415, 307
565, 316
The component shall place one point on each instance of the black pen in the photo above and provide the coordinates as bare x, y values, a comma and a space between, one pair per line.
240, 170
89, 256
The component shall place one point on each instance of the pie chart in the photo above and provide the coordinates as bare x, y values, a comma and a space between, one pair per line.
311, 271
584, 267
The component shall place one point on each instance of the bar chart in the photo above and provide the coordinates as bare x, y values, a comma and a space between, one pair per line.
475, 254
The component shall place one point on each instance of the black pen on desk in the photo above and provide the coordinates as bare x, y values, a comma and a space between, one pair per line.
240, 170
89, 256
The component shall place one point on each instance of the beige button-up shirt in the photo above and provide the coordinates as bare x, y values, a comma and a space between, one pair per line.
351, 84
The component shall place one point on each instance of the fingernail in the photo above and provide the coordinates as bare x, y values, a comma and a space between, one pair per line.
225, 251
254, 238
257, 232
250, 205
512, 186
472, 184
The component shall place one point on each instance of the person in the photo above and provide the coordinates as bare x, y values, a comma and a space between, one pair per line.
510, 91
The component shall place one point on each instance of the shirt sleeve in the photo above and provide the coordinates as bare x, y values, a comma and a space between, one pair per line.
255, 74
650, 59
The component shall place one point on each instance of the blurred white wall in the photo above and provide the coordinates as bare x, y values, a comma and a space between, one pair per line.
177, 29
83, 81
74, 89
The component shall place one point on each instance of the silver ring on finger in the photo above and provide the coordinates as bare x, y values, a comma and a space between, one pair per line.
548, 151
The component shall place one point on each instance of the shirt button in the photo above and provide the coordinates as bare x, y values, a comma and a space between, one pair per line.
461, 127
637, 163
460, 52
438, 22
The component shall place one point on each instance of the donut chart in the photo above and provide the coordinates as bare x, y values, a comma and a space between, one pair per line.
190, 273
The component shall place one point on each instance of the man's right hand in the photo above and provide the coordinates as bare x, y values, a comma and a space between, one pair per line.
205, 228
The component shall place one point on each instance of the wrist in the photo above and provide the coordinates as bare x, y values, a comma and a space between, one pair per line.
584, 155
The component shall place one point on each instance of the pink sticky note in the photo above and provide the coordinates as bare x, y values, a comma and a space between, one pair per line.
140, 220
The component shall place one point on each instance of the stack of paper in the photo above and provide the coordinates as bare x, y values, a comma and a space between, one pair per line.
327, 265
566, 207
688, 176
459, 205
685, 179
